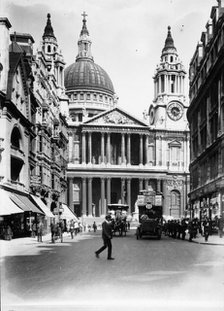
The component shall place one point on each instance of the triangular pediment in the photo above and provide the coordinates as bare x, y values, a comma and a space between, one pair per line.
115, 117
175, 143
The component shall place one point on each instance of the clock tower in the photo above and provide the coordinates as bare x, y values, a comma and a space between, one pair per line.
168, 110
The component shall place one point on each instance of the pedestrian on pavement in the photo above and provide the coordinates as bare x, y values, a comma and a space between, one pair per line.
72, 229
206, 226
40, 231
94, 226
106, 236
220, 226
34, 229
76, 227
53, 232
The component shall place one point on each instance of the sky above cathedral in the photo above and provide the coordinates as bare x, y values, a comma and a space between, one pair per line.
127, 36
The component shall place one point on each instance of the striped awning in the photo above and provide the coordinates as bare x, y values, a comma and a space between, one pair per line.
67, 213
42, 206
24, 203
7, 206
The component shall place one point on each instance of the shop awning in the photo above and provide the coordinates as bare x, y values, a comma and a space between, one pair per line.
67, 213
42, 206
24, 203
7, 207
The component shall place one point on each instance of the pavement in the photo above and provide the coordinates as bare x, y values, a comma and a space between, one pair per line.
18, 245
212, 240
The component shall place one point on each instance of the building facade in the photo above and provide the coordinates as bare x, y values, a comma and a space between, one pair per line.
113, 155
34, 133
206, 119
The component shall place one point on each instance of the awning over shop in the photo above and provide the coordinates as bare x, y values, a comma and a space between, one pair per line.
42, 206
67, 213
24, 203
7, 207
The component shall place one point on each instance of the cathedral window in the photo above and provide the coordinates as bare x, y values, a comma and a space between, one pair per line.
94, 97
49, 49
88, 96
81, 96
101, 97
171, 59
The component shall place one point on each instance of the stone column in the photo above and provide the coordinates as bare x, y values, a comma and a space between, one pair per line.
90, 147
84, 197
146, 184
140, 184
122, 148
103, 207
141, 150
108, 148
146, 149
102, 148
70, 193
89, 196
158, 188
83, 148
129, 149
129, 194
108, 190
122, 191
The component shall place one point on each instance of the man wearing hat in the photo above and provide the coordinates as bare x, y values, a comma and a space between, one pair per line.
106, 236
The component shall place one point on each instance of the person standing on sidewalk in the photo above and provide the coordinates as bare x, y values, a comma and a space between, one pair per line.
220, 226
40, 231
206, 225
106, 236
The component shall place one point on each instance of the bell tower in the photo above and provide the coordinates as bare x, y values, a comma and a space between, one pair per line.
168, 110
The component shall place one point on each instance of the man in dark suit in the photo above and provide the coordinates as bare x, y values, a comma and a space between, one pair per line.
107, 236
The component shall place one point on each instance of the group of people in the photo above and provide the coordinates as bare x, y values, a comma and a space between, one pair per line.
178, 228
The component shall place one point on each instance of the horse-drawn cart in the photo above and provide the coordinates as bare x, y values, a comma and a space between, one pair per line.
118, 214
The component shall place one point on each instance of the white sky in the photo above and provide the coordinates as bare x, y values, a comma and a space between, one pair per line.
127, 36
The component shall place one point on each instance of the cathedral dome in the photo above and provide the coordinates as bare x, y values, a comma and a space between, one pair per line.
85, 74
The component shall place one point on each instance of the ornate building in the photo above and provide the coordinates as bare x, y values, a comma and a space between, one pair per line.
206, 119
168, 125
33, 129
113, 155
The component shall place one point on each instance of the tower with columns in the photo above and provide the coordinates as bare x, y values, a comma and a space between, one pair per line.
167, 119
113, 155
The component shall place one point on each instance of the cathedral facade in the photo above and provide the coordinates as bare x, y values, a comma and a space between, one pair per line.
113, 155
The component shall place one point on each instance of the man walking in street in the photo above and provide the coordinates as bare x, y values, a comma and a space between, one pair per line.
106, 236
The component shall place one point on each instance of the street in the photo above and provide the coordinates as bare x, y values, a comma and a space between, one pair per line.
166, 274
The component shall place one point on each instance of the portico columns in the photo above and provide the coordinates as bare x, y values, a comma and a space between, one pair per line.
84, 196
90, 147
129, 149
83, 148
108, 148
122, 148
141, 150
146, 149
89, 196
129, 194
140, 184
103, 208
102, 148
108, 190
122, 191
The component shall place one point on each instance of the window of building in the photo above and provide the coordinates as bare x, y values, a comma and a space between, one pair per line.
49, 49
16, 138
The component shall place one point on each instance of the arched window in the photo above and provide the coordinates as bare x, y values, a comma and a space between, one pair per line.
16, 138
49, 49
